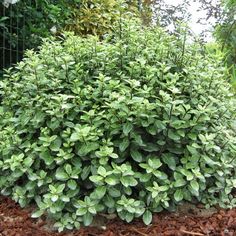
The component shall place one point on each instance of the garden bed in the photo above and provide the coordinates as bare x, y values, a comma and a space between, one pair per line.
188, 220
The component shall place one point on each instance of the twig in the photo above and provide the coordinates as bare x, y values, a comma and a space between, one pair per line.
192, 233
143, 234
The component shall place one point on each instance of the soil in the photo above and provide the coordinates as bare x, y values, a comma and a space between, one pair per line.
189, 220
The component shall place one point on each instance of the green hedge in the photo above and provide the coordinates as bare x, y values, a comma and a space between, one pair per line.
131, 125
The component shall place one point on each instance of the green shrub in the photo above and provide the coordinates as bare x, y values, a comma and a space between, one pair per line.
225, 31
23, 23
131, 125
98, 17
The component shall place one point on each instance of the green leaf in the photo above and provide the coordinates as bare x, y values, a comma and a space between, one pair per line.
52, 124
28, 161
92, 210
65, 198
60, 188
192, 136
129, 217
147, 217
72, 184
128, 181
169, 160
155, 162
81, 211
187, 173
160, 125
56, 144
114, 155
136, 155
194, 184
160, 174
37, 214
74, 137
137, 139
109, 201
102, 171
173, 135
87, 219
192, 150
68, 169
85, 131
127, 127
54, 198
100, 192
111, 180
113, 192
145, 178
144, 166
96, 178
152, 129
61, 174
124, 144
178, 195
77, 225
209, 161
151, 147
86, 148
179, 182
46, 156
85, 172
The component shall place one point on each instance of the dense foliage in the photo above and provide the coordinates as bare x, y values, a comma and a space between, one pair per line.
99, 16
23, 24
225, 32
223, 13
131, 125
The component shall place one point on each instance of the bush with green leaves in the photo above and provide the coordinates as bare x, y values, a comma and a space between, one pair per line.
24, 23
131, 125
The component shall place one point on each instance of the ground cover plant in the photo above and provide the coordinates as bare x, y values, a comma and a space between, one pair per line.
131, 125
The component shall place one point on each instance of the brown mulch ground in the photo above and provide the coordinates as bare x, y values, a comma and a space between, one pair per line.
15, 221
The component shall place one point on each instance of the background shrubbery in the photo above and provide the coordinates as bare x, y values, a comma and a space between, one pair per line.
24, 23
130, 125
225, 34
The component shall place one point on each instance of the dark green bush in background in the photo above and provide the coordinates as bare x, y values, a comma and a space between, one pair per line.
25, 23
225, 33
131, 125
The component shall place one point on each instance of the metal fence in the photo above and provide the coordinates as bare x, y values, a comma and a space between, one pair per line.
23, 23
12, 37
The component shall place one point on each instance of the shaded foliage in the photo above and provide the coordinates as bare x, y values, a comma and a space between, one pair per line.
25, 23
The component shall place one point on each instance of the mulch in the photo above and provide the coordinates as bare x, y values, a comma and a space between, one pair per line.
15, 221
